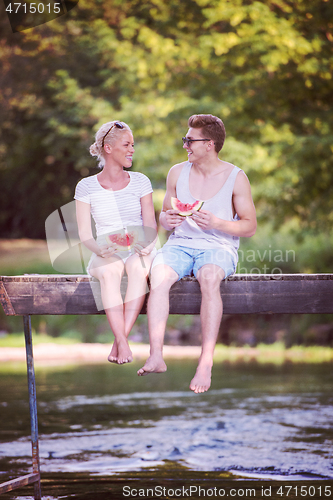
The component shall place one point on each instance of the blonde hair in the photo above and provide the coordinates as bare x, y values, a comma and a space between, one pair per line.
110, 132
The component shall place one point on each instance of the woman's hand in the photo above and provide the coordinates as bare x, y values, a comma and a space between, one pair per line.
141, 248
106, 251
205, 219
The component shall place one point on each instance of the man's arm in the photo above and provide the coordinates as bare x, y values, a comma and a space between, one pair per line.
244, 207
169, 218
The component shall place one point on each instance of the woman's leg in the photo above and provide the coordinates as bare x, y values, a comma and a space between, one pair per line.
137, 269
109, 272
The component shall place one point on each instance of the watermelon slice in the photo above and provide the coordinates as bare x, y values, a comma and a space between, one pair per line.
124, 240
186, 209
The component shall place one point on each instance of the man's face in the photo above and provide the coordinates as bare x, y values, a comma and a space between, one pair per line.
197, 144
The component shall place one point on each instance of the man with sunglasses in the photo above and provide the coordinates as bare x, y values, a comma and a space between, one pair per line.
204, 243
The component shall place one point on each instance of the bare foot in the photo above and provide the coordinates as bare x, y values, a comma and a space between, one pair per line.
202, 378
113, 356
124, 352
154, 364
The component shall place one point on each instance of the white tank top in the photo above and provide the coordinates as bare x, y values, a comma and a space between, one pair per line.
189, 234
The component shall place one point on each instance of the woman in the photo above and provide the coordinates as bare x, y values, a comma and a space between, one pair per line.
117, 200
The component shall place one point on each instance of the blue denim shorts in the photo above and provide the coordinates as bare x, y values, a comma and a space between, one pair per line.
184, 260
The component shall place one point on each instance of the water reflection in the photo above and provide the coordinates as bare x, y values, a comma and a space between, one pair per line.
257, 421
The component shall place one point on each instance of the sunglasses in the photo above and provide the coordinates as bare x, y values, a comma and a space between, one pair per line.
187, 141
116, 124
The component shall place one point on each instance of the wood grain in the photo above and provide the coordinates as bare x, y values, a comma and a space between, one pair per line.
241, 294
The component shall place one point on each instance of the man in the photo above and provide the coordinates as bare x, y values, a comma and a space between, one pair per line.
205, 242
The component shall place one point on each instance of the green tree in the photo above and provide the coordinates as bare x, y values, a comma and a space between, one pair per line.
264, 67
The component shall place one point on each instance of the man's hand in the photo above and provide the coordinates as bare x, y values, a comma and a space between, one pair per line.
173, 219
205, 219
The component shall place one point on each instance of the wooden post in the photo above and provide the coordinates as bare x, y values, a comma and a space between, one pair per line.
33, 478
32, 404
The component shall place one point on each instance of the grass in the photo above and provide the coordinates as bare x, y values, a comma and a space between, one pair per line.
23, 256
17, 340
275, 353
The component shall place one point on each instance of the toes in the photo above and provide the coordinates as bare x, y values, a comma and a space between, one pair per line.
142, 372
113, 359
199, 389
122, 361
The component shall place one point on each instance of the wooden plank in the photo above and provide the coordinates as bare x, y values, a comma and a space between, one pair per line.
236, 277
5, 301
19, 482
241, 294
261, 297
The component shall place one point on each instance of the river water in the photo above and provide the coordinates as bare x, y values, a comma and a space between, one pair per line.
258, 421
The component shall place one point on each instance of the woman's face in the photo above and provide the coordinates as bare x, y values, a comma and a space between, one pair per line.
122, 150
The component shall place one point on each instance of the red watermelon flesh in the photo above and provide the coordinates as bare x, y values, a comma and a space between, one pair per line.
186, 209
122, 240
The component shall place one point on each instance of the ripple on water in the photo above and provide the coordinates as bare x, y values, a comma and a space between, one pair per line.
222, 431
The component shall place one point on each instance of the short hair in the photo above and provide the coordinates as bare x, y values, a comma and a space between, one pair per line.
212, 127
110, 137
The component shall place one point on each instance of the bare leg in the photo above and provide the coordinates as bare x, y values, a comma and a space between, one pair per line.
162, 278
209, 277
135, 295
137, 288
109, 273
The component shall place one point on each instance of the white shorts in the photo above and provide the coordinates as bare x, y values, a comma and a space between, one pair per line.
124, 256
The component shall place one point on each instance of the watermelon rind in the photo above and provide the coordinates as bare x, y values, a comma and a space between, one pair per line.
186, 209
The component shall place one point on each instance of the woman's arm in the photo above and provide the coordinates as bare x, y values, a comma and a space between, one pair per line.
149, 224
85, 231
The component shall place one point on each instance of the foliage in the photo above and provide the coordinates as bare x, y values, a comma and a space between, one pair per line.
285, 251
264, 67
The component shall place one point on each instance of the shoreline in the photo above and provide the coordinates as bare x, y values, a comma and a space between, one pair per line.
89, 353
97, 353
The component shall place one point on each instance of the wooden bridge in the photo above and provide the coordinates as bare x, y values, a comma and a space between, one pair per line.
241, 294
76, 294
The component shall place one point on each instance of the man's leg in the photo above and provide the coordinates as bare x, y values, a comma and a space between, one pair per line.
162, 278
209, 277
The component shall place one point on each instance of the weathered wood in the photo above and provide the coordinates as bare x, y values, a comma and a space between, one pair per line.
241, 294
5, 300
18, 482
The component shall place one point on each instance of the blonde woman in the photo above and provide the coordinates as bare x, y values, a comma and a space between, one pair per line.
117, 199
